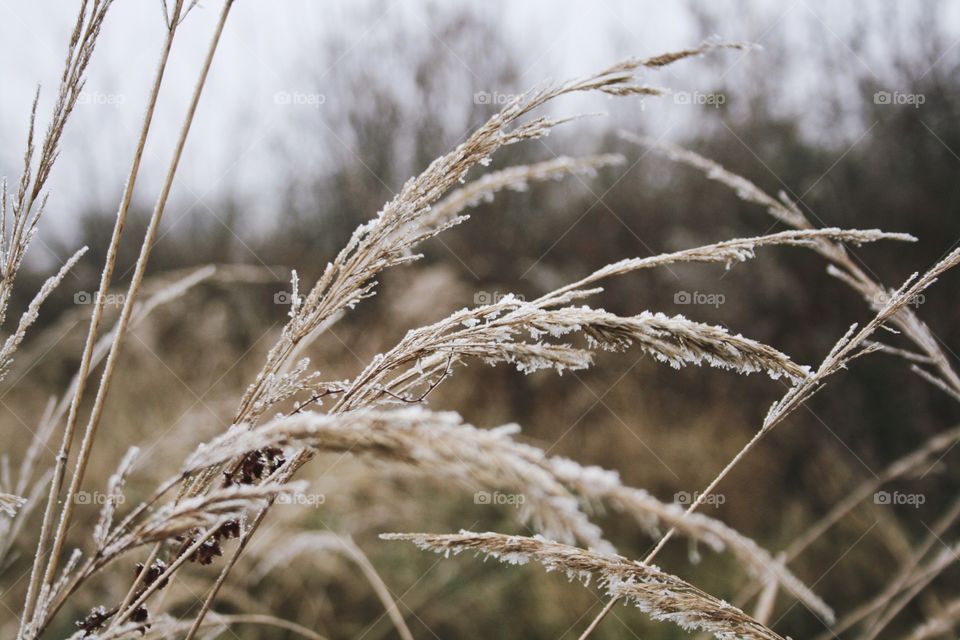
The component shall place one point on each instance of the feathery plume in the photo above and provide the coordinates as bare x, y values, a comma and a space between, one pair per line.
199, 512
33, 312
438, 445
515, 178
114, 496
511, 330
443, 446
404, 222
660, 595
10, 504
940, 625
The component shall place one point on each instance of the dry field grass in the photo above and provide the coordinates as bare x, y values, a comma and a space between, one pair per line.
189, 533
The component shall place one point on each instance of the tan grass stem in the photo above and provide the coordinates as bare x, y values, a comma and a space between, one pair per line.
135, 283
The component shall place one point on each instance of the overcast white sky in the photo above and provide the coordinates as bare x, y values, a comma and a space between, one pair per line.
270, 47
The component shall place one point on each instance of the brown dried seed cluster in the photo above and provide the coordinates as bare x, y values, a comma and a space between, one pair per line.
99, 615
94, 620
153, 573
210, 548
254, 467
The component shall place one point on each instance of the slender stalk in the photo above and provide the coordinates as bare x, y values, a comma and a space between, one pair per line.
842, 352
669, 534
132, 291
97, 315
132, 591
82, 43
162, 578
842, 265
600, 616
766, 602
901, 582
349, 548
98, 562
215, 588
380, 587
896, 607
911, 462
281, 475
267, 620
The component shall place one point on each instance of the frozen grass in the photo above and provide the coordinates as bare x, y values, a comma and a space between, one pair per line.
216, 498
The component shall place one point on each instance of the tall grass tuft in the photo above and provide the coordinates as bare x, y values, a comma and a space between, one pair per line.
216, 497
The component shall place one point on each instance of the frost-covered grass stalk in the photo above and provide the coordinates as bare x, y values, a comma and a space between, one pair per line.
215, 498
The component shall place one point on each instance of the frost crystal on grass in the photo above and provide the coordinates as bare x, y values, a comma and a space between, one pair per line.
660, 595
